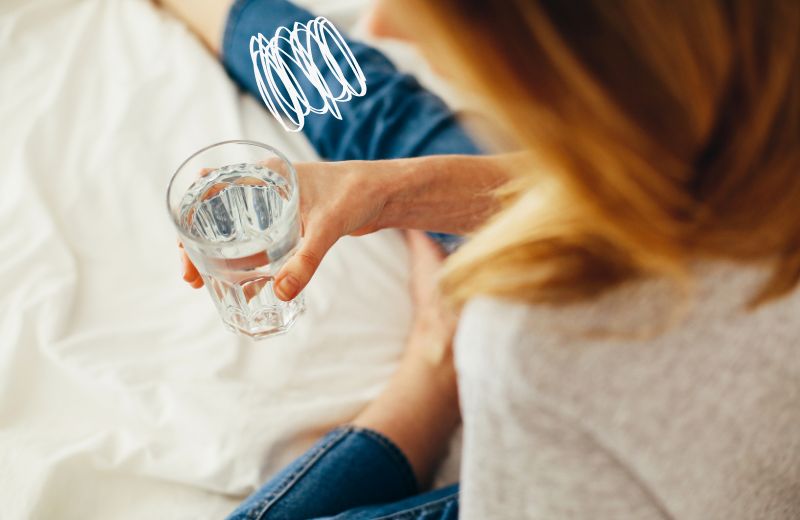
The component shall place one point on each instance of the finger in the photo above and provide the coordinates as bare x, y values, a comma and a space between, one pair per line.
295, 275
190, 273
252, 289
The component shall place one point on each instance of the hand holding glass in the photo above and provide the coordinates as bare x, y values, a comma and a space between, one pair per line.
235, 205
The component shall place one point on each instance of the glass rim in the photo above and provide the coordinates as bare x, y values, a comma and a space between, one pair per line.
292, 203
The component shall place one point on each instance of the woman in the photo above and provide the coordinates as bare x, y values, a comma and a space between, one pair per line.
629, 332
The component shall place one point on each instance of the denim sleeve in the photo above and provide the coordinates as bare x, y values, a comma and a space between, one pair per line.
348, 468
396, 118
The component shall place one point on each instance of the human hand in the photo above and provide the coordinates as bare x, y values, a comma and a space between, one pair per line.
336, 199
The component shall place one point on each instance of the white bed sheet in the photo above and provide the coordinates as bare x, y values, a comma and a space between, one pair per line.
121, 395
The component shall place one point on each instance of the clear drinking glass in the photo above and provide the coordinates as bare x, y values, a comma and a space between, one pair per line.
236, 207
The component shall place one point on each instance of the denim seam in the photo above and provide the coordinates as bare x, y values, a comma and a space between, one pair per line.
430, 507
234, 15
395, 453
263, 505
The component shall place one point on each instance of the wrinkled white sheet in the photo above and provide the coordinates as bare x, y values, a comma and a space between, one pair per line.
121, 395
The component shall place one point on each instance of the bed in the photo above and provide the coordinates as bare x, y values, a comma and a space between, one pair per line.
121, 394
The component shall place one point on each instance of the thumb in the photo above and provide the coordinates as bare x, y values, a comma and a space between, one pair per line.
295, 275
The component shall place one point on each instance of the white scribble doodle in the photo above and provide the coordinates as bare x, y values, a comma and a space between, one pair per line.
276, 60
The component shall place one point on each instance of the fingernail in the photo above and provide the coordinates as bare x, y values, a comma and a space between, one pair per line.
286, 288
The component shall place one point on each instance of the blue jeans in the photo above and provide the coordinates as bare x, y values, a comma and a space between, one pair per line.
351, 473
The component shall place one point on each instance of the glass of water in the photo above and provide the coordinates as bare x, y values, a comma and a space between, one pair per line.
236, 207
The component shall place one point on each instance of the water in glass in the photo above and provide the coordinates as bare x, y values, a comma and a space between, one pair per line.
243, 229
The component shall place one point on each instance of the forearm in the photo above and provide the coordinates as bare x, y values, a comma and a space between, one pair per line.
449, 193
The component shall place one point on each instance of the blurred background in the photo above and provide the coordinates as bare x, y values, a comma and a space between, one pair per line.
121, 394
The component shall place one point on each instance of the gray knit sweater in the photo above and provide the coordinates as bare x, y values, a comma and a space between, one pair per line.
588, 412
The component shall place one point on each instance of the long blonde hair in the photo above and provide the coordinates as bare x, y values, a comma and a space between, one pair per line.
659, 132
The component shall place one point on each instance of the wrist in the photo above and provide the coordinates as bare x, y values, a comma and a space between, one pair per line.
398, 180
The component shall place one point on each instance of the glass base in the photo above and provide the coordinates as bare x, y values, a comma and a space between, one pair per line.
273, 327
251, 308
